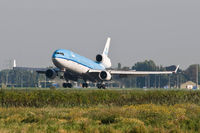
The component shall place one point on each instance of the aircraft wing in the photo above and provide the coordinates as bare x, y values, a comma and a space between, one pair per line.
42, 70
142, 73
139, 73
38, 70
136, 73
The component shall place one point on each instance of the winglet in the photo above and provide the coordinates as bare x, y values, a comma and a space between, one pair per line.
176, 69
106, 49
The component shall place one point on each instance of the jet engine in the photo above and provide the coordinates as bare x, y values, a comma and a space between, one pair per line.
51, 73
104, 60
104, 75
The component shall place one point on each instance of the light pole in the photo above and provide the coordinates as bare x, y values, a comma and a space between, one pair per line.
197, 76
169, 82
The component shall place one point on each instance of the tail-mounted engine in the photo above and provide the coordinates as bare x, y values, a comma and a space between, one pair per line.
104, 75
104, 60
51, 73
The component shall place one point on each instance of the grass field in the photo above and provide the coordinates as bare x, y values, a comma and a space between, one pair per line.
99, 111
101, 119
85, 98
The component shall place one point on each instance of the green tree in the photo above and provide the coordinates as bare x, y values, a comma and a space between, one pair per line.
147, 65
190, 73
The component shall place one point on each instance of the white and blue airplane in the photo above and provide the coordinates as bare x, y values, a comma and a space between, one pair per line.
77, 67
74, 67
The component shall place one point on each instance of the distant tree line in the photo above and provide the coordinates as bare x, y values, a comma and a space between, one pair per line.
20, 78
158, 81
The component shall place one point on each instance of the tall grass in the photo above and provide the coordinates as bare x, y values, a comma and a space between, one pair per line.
145, 118
84, 98
99, 111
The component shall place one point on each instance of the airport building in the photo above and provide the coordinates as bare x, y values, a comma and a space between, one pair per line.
189, 85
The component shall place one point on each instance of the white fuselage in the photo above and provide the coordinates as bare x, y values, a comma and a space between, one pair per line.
70, 65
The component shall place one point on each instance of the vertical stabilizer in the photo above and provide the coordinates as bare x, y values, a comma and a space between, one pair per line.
106, 49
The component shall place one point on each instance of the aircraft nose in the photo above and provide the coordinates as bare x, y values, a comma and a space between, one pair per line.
54, 55
55, 60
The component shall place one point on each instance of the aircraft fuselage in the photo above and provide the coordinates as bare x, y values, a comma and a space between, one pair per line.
65, 59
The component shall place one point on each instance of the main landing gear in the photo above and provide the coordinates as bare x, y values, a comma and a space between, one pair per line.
85, 85
67, 85
101, 86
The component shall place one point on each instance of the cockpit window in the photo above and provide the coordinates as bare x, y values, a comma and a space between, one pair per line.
60, 53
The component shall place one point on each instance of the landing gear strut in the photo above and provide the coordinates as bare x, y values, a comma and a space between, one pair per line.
101, 86
85, 85
67, 85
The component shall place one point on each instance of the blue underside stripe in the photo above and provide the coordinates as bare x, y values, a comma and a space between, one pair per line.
76, 62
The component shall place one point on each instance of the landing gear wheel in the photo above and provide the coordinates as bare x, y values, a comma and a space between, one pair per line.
101, 86
67, 85
85, 85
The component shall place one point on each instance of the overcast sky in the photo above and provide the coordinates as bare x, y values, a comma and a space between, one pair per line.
166, 31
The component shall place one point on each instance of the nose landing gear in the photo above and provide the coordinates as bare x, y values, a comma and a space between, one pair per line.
67, 85
85, 85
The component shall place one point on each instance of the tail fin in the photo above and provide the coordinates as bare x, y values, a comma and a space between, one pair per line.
106, 49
